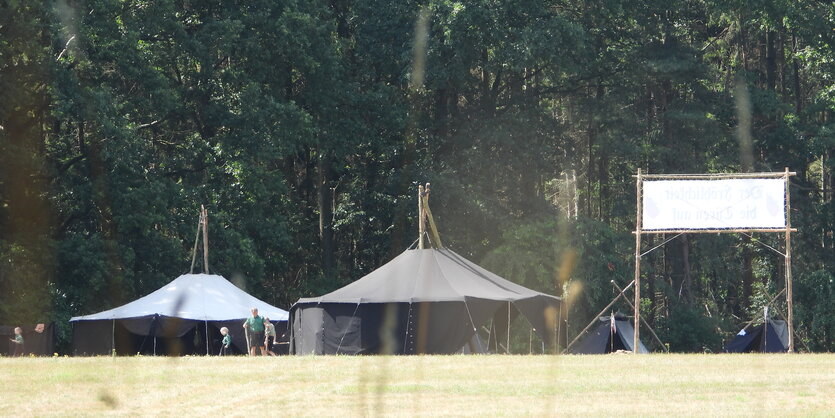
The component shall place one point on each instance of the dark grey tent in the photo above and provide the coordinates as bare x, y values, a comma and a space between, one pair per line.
606, 338
423, 301
771, 337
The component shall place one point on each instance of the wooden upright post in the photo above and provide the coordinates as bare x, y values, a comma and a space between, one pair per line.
421, 218
205, 216
790, 319
637, 336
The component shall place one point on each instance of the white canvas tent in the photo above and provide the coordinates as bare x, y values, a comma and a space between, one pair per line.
173, 313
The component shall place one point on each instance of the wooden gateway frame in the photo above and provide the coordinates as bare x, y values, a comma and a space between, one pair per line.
787, 230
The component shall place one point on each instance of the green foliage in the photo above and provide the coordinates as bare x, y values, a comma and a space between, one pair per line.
295, 124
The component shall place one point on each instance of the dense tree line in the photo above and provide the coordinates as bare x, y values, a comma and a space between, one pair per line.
305, 127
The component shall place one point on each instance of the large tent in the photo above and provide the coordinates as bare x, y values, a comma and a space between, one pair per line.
771, 337
182, 317
422, 301
613, 333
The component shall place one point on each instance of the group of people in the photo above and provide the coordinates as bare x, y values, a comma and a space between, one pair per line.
260, 333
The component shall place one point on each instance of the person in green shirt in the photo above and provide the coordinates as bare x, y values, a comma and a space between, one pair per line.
255, 326
18, 341
227, 341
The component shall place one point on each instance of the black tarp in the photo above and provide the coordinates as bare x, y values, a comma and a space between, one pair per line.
423, 301
773, 340
37, 341
604, 338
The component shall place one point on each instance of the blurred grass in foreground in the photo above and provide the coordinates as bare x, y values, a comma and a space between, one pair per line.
625, 385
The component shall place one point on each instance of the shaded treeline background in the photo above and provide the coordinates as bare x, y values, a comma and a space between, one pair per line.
294, 123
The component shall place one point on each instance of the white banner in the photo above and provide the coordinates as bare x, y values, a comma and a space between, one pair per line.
714, 204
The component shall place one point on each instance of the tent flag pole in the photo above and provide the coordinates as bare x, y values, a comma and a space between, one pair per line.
196, 240
594, 319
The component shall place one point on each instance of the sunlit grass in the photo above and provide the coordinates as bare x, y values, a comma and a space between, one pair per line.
647, 385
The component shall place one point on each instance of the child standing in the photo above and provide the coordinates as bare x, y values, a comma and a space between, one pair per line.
227, 341
269, 332
18, 341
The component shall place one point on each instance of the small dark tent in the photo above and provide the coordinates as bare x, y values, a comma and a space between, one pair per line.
771, 337
182, 317
423, 301
39, 339
610, 335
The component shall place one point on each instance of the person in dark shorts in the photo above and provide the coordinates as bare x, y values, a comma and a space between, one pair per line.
255, 326
227, 341
18, 342
269, 332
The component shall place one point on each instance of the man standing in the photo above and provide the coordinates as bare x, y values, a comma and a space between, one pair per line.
255, 326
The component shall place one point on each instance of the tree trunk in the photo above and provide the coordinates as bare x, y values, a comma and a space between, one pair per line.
326, 194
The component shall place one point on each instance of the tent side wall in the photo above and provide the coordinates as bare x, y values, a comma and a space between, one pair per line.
375, 328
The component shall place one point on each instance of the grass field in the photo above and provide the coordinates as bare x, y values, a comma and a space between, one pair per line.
619, 384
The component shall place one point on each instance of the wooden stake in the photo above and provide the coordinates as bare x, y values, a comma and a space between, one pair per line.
205, 216
637, 336
789, 264
421, 218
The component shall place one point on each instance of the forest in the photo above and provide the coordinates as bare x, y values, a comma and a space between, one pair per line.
305, 127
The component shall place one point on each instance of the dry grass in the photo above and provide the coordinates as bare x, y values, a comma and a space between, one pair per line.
623, 385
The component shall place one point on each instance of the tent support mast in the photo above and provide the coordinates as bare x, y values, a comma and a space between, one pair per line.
637, 307
205, 217
507, 348
789, 264
421, 218
196, 240
206, 323
113, 339
436, 238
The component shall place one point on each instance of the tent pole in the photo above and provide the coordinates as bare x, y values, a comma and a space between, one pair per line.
593, 320
789, 263
490, 334
408, 321
205, 240
196, 240
421, 218
637, 336
507, 348
113, 339
207, 336
557, 330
